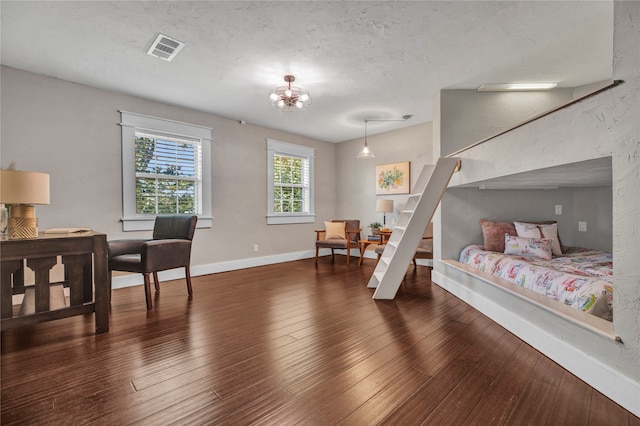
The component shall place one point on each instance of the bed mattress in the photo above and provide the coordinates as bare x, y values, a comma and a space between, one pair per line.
580, 278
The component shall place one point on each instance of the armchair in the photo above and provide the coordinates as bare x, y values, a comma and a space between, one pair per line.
348, 240
169, 248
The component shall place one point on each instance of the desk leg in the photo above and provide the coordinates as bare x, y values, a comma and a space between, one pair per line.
101, 283
9, 268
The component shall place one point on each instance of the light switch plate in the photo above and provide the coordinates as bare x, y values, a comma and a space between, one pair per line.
582, 226
558, 209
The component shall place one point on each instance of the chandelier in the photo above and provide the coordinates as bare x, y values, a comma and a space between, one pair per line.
289, 98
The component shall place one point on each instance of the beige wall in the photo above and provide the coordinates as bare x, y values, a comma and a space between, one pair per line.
71, 131
356, 178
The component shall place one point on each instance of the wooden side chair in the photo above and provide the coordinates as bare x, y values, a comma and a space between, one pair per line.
169, 248
338, 234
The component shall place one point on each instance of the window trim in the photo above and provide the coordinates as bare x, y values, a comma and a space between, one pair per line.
290, 150
132, 122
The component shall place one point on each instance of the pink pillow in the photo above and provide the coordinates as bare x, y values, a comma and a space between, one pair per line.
528, 247
494, 232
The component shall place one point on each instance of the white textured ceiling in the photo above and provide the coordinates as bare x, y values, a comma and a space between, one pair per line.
357, 59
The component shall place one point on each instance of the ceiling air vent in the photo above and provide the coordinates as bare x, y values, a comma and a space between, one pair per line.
165, 47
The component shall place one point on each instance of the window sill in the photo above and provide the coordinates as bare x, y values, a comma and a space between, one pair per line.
146, 223
286, 219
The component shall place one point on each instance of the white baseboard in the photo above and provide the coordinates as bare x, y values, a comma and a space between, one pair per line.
130, 280
600, 376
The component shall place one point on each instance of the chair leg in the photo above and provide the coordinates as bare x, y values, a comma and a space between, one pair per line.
348, 255
414, 263
333, 255
156, 282
147, 291
317, 249
187, 274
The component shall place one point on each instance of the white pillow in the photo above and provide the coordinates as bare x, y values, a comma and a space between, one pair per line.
527, 247
536, 230
335, 230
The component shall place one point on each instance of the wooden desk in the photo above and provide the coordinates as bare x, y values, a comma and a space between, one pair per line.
84, 256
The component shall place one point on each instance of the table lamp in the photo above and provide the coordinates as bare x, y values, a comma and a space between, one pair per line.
22, 190
384, 206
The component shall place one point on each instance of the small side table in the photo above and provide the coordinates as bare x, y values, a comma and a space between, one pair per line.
384, 235
365, 243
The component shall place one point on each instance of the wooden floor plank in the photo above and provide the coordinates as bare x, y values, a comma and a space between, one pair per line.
604, 411
572, 403
420, 404
284, 344
533, 407
380, 405
501, 396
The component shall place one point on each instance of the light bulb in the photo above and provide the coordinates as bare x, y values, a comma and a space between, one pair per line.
304, 97
288, 93
365, 153
274, 97
299, 104
281, 103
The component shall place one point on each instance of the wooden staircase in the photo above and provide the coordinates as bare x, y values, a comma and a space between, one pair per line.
413, 221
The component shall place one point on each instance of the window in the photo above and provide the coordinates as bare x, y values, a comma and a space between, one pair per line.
166, 169
168, 176
289, 183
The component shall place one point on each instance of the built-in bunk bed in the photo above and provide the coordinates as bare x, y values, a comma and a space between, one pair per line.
531, 256
604, 354
524, 175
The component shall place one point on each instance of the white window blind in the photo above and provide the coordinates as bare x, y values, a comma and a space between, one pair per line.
168, 174
289, 183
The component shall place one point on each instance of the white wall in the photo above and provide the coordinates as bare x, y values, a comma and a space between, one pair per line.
356, 178
70, 131
594, 206
603, 125
486, 114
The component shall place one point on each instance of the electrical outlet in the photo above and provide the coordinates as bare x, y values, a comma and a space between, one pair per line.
582, 226
558, 209
256, 247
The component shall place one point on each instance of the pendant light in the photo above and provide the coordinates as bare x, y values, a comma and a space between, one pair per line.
366, 152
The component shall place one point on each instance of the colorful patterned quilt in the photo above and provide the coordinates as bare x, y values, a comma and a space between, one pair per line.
580, 278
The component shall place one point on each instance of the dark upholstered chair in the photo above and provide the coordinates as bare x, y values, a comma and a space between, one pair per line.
424, 250
169, 248
352, 236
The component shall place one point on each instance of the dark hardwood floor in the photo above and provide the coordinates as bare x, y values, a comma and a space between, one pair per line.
290, 344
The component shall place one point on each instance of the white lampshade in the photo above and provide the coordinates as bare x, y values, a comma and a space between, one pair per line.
385, 206
18, 187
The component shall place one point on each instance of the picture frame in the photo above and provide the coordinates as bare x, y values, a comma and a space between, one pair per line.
393, 178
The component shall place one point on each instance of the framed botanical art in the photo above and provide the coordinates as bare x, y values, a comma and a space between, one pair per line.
393, 178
